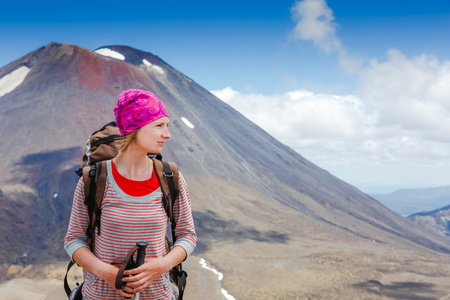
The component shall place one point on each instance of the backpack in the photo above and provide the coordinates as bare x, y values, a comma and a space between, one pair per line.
101, 146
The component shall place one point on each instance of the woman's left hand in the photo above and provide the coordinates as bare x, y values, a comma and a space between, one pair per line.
142, 276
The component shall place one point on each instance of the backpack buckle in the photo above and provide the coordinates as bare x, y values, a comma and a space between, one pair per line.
168, 174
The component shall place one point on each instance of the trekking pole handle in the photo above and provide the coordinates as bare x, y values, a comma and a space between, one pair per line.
140, 257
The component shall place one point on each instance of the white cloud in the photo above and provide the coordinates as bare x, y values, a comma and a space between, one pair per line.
398, 121
344, 134
410, 94
350, 64
315, 22
301, 116
226, 94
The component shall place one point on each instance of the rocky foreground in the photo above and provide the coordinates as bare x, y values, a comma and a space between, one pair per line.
325, 274
45, 282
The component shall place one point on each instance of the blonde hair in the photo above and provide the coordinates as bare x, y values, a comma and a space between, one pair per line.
125, 141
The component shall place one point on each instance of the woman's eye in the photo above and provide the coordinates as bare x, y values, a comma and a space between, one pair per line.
162, 125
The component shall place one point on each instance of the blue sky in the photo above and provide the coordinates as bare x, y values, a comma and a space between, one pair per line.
372, 73
243, 44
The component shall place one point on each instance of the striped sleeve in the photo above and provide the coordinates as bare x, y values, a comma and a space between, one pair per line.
186, 236
79, 220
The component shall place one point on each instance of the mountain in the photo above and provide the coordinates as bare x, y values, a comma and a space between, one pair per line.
410, 201
276, 225
436, 221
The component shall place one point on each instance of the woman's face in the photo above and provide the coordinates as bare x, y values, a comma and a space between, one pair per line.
151, 137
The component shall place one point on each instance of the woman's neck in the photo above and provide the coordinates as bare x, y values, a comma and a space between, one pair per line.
134, 166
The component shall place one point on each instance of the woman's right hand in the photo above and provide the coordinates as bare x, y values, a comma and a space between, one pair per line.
109, 274
88, 261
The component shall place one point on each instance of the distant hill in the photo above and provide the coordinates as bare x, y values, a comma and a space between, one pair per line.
276, 225
410, 201
436, 221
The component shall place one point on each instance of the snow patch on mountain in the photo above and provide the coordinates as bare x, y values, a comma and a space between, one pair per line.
204, 265
188, 124
110, 53
147, 63
12, 80
155, 67
227, 296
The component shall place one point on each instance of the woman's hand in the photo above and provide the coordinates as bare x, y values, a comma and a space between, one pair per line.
88, 261
108, 274
141, 277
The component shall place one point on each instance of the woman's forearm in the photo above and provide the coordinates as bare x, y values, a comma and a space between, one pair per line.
88, 261
176, 256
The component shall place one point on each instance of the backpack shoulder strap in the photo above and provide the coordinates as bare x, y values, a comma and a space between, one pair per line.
167, 174
66, 284
94, 178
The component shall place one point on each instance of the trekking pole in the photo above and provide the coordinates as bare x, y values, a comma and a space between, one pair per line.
140, 258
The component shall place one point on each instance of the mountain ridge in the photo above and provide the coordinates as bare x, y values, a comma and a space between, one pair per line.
411, 201
254, 199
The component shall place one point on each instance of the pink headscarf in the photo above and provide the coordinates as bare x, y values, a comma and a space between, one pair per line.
137, 108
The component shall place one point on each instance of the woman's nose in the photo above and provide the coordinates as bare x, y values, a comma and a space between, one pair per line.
166, 133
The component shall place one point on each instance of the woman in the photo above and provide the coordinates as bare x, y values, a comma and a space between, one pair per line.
132, 210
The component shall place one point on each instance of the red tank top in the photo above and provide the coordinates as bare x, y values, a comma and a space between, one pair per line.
135, 188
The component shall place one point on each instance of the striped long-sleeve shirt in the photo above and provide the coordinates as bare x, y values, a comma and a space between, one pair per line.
126, 220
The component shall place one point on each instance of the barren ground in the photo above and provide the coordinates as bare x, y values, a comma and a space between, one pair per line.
317, 273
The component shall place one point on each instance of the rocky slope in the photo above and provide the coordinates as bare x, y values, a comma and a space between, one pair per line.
436, 221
